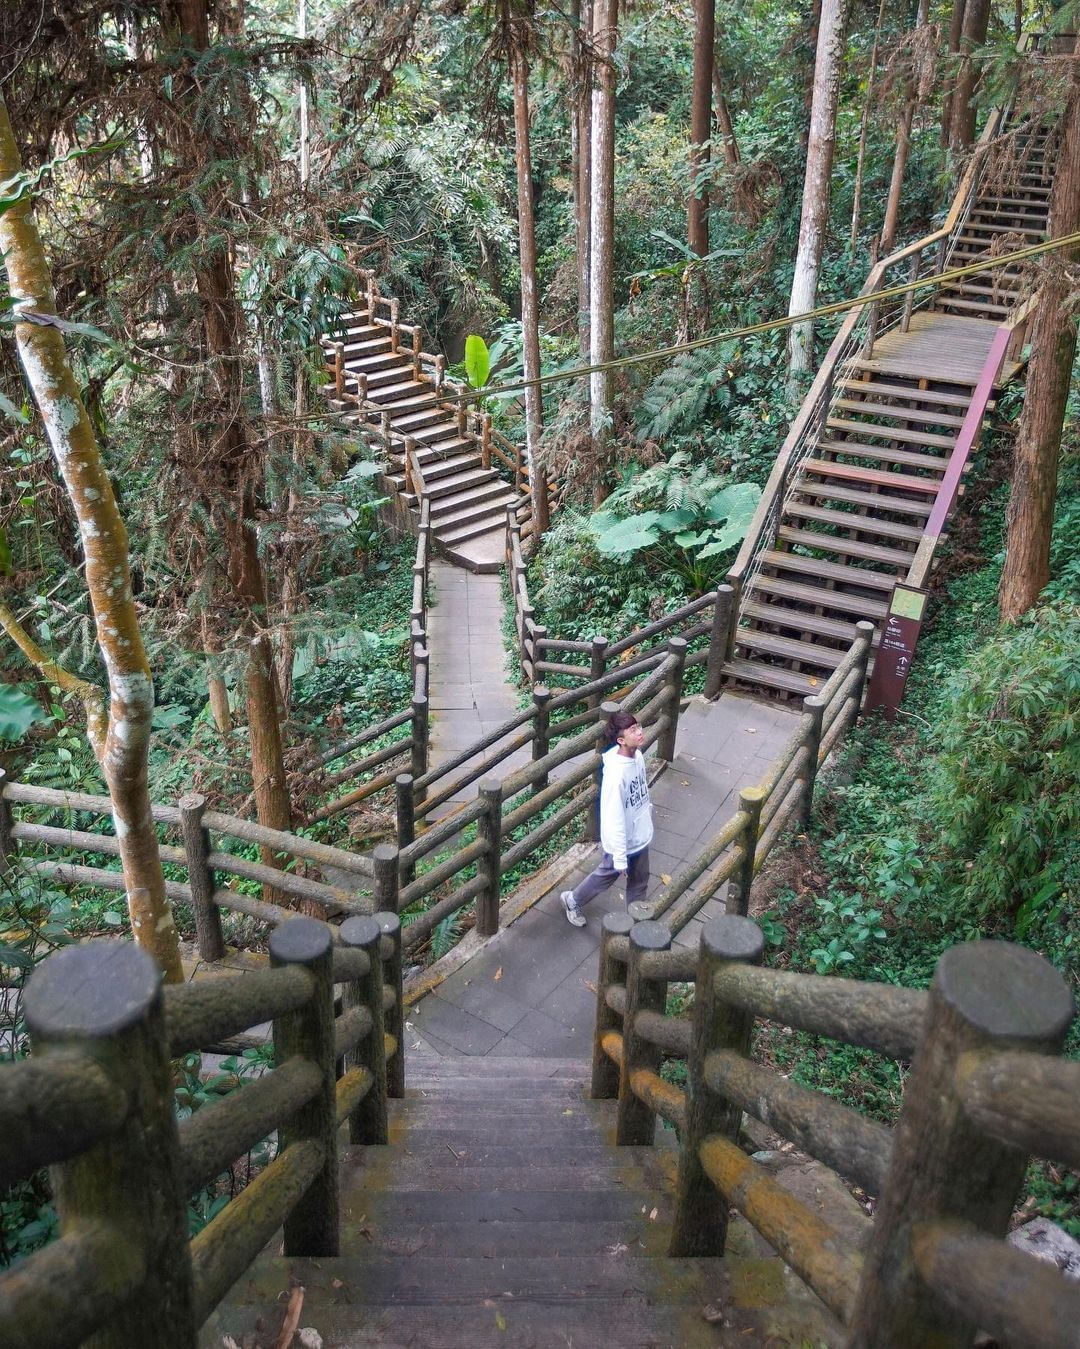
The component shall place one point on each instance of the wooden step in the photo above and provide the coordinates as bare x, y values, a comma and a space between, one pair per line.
424, 400
1010, 287
462, 533
1005, 220
389, 376
837, 543
446, 429
412, 422
456, 509
434, 467
977, 230
901, 413
789, 648
869, 524
367, 365
860, 606
883, 389
875, 501
800, 621
397, 394
875, 367
828, 571
905, 435
453, 483
454, 445
861, 450
367, 346
878, 477
1041, 204
475, 515
759, 673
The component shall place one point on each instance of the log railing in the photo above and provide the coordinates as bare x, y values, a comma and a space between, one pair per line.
72, 820
103, 1032
985, 1090
705, 623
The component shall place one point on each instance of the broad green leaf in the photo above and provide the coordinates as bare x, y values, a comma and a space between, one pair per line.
628, 536
8, 408
736, 502
477, 361
18, 712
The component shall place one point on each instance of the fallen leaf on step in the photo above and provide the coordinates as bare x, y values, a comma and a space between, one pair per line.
589, 985
620, 1248
498, 974
665, 878
227, 1342
713, 1313
750, 730
813, 682
570, 1112
684, 782
292, 1318
500, 1321
654, 1215
310, 1338
336, 1283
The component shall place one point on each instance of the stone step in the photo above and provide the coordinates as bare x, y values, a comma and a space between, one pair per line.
475, 514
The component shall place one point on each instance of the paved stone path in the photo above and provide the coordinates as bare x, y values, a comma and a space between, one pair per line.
531, 991
470, 691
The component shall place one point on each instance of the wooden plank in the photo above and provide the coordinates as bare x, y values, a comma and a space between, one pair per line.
801, 620
878, 502
923, 396
834, 543
857, 449
905, 482
899, 433
865, 524
789, 648
906, 414
772, 676
859, 605
830, 571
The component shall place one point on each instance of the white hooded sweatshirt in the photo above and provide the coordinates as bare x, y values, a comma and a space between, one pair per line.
626, 824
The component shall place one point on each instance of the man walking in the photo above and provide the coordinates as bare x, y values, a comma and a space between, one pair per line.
626, 826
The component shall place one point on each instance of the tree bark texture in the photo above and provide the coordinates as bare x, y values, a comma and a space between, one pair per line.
583, 170
697, 208
108, 579
903, 149
976, 19
956, 27
1053, 350
864, 123
602, 230
819, 157
530, 300
724, 124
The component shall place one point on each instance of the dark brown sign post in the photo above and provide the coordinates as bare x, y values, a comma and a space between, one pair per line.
896, 650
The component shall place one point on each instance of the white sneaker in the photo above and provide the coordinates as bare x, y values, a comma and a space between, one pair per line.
574, 918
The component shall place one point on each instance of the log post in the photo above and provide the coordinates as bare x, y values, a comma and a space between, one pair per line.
751, 800
419, 751
909, 298
815, 706
384, 857
394, 1016
485, 440
440, 373
718, 641
367, 1123
312, 1227
985, 997
637, 1123
541, 730
489, 832
866, 631
733, 626
395, 334
405, 817
527, 654
462, 416
597, 666
201, 877
605, 1072
104, 1000
701, 1213
339, 369
673, 682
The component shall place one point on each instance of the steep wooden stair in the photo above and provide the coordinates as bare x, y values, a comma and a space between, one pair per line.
900, 398
399, 399
502, 1214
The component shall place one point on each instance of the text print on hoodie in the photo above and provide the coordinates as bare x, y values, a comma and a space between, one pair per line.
625, 810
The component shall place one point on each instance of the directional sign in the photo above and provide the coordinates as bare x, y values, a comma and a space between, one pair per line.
896, 649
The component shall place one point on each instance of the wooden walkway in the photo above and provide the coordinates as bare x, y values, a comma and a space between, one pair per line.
942, 346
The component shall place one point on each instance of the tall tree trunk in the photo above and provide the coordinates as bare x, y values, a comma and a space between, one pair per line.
304, 147
108, 579
864, 123
231, 450
724, 124
956, 28
215, 684
976, 19
819, 158
530, 301
583, 173
1053, 350
602, 241
903, 148
697, 208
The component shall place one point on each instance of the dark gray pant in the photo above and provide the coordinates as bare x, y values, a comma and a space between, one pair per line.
605, 876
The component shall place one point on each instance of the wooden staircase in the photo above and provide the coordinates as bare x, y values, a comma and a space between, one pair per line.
863, 471
502, 1215
387, 392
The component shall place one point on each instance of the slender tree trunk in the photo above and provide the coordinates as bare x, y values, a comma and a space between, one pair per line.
956, 28
1053, 350
819, 158
304, 156
530, 300
215, 684
976, 19
724, 124
864, 123
697, 207
583, 175
108, 579
903, 148
602, 241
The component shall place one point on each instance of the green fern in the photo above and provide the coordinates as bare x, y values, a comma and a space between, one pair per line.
681, 395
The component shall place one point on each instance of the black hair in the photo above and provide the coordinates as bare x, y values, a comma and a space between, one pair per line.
617, 723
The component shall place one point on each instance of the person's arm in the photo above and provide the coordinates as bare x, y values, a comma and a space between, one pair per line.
613, 819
